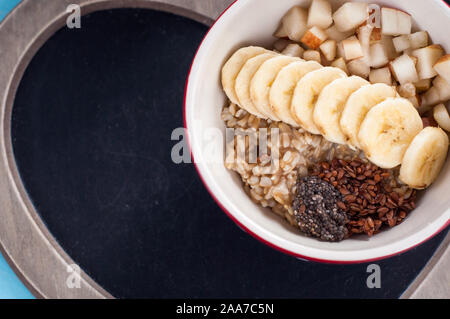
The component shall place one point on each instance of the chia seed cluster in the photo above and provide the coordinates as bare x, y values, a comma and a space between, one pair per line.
316, 210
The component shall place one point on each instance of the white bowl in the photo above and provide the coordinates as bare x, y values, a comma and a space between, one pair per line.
252, 22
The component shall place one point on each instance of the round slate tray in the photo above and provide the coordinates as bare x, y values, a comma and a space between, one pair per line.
90, 128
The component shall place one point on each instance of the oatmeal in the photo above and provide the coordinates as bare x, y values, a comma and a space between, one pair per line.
271, 185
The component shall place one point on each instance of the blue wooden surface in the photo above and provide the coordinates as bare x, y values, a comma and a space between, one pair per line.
10, 286
6, 6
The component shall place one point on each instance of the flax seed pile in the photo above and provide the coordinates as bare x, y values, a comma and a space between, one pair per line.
365, 196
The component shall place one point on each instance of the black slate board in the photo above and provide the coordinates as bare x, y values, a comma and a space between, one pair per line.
91, 133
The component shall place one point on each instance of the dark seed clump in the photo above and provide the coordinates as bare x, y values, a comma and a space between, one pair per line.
373, 197
317, 212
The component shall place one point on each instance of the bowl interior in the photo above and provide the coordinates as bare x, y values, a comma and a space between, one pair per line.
252, 22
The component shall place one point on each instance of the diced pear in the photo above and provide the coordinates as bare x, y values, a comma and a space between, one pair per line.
407, 90
314, 37
382, 75
359, 67
378, 56
401, 43
443, 88
442, 67
328, 49
352, 48
336, 35
395, 22
293, 50
340, 63
389, 21
350, 15
295, 23
419, 39
404, 70
441, 116
319, 14
312, 55
427, 58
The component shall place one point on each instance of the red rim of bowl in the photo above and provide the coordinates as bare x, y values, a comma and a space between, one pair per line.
238, 223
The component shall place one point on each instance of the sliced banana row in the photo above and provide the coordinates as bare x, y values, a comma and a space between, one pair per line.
345, 110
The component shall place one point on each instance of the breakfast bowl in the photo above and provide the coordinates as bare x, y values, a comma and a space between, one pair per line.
252, 22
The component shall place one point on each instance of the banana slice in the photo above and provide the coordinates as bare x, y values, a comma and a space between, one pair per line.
329, 106
263, 80
232, 67
424, 158
357, 106
306, 93
387, 131
283, 88
243, 80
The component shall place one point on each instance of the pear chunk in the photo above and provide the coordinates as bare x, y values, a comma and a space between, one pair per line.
351, 15
319, 14
427, 58
312, 55
442, 67
294, 50
352, 48
404, 69
340, 63
382, 75
359, 67
314, 37
294, 23
328, 49
395, 22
